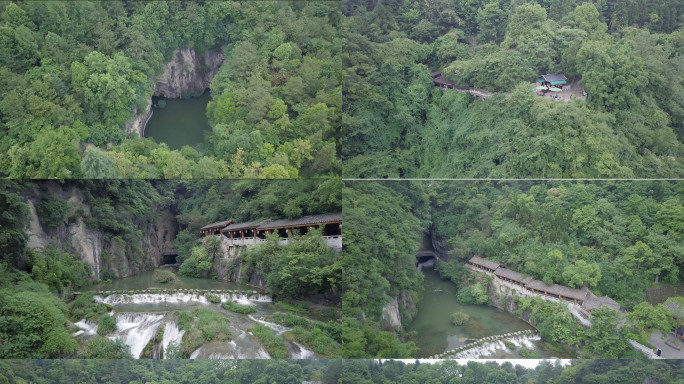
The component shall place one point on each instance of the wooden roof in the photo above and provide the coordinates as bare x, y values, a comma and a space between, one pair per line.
327, 218
435, 74
558, 290
218, 224
481, 261
593, 302
243, 225
509, 274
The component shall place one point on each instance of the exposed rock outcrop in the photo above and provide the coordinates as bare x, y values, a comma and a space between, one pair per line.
188, 73
391, 318
94, 247
137, 126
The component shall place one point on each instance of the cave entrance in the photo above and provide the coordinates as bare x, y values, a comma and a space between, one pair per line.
426, 259
169, 257
179, 122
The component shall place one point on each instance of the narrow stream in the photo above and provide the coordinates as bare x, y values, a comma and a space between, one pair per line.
435, 333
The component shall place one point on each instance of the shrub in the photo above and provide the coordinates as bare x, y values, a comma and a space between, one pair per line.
51, 210
273, 344
233, 307
509, 345
214, 299
106, 324
102, 348
526, 353
211, 326
459, 318
164, 276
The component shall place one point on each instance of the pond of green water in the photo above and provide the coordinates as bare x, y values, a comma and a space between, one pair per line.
181, 122
434, 331
145, 280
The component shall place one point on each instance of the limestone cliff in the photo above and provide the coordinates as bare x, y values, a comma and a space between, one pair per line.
137, 126
187, 73
93, 247
230, 267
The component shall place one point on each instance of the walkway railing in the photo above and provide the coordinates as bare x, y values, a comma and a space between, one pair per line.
332, 241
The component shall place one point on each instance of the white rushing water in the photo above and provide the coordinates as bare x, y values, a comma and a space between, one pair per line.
136, 329
171, 334
304, 353
87, 328
177, 298
488, 349
277, 328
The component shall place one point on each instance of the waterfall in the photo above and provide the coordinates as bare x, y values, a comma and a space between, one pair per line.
177, 298
171, 334
489, 349
137, 329
304, 353
277, 328
87, 328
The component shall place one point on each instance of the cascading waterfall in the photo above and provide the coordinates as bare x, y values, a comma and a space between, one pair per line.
136, 329
177, 298
489, 349
171, 334
304, 353
87, 328
142, 320
277, 328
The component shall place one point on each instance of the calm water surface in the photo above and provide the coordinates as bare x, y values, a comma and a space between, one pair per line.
181, 122
436, 334
145, 280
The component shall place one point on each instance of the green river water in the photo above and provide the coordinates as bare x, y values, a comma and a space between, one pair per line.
145, 280
432, 324
181, 122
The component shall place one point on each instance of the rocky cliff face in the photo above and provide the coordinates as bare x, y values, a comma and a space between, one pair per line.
187, 73
137, 126
94, 247
230, 267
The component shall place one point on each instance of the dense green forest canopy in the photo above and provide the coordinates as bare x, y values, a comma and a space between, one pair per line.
627, 55
617, 238
34, 281
338, 372
72, 73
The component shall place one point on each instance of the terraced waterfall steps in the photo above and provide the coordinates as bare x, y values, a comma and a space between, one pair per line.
489, 339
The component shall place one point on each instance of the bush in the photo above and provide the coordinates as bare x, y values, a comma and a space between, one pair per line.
51, 210
459, 318
214, 299
526, 353
106, 324
102, 348
233, 307
164, 276
85, 307
452, 270
509, 345
161, 104
273, 344
211, 326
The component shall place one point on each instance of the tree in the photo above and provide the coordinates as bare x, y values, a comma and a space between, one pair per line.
582, 273
602, 337
97, 165
645, 316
